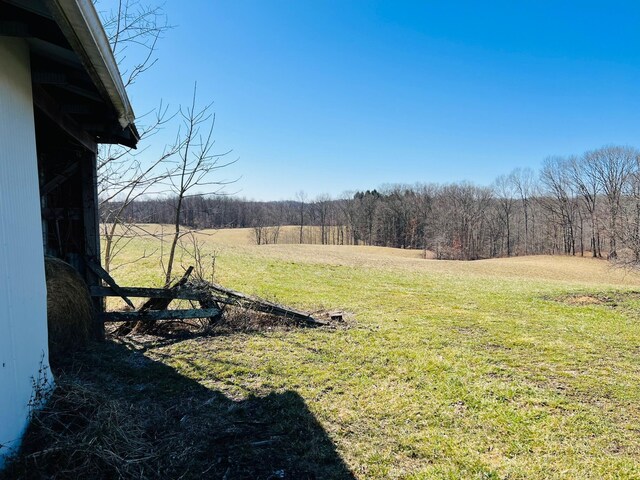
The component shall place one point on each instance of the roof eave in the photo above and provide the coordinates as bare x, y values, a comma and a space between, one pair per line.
83, 29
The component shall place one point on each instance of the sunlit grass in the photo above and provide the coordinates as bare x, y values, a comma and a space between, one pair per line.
452, 370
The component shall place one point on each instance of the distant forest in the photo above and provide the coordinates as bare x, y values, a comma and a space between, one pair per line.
582, 205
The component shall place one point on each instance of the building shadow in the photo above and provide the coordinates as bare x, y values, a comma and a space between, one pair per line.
156, 423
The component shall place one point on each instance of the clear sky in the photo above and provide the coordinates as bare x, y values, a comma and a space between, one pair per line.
331, 95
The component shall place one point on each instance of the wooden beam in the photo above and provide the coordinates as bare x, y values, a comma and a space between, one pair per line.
52, 109
153, 315
140, 292
83, 92
50, 213
42, 77
91, 235
9, 28
104, 275
153, 304
82, 109
259, 305
59, 179
162, 303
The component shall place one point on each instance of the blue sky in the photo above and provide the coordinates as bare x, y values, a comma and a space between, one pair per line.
328, 96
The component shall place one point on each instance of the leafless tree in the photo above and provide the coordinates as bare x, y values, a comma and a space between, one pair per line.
322, 206
133, 29
301, 197
123, 180
585, 181
194, 164
524, 180
612, 166
559, 199
505, 189
266, 225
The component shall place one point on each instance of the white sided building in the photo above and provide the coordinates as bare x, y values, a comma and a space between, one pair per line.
60, 95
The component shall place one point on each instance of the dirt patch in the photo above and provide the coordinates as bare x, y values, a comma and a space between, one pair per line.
626, 303
585, 300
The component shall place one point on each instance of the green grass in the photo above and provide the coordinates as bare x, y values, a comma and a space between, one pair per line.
451, 370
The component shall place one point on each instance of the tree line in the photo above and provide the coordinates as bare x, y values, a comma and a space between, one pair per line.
586, 204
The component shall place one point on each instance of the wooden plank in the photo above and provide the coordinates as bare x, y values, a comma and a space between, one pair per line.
42, 77
59, 179
53, 110
141, 292
260, 305
154, 315
162, 303
72, 213
166, 293
91, 233
152, 304
102, 273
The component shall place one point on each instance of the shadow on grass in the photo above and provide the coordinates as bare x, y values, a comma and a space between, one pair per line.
119, 414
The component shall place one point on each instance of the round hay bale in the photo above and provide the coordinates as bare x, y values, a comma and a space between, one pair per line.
69, 309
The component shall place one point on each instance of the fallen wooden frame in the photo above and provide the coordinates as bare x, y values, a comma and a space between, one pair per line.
260, 305
153, 315
210, 296
143, 292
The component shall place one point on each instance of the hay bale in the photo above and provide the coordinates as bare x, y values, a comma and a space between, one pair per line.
69, 309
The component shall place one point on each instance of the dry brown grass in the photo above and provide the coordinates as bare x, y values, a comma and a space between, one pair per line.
237, 243
529, 268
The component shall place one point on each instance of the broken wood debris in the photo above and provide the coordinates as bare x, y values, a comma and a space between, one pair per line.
142, 320
163, 303
232, 297
153, 315
108, 279
211, 297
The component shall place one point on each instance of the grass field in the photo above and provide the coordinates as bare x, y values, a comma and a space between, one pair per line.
509, 368
521, 368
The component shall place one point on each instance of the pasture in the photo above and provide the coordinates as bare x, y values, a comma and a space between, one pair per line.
508, 368
519, 368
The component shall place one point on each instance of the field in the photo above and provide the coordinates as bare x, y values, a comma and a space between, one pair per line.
520, 368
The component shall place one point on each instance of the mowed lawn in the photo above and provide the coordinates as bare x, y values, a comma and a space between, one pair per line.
509, 368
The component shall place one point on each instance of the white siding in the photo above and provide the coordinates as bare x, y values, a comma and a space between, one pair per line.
23, 309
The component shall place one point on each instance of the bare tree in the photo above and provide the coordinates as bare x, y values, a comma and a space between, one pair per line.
583, 176
559, 201
631, 226
504, 188
612, 166
193, 169
525, 184
123, 180
133, 29
301, 197
322, 205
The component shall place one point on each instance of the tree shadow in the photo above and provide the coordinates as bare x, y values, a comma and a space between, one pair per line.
119, 414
